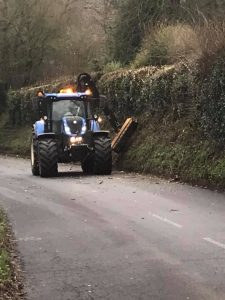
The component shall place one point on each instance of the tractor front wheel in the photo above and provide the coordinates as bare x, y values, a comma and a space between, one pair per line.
102, 156
48, 158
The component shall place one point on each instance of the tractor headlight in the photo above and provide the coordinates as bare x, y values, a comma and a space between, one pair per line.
79, 139
100, 120
76, 140
88, 92
73, 140
84, 129
67, 130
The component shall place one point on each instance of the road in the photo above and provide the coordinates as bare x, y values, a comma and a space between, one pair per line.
114, 237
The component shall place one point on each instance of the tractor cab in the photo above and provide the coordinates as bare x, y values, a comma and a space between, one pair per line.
69, 114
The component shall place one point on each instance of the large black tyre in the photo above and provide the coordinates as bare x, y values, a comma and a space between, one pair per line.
48, 158
34, 158
102, 156
87, 165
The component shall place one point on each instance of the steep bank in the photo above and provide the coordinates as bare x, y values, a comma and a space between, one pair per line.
182, 121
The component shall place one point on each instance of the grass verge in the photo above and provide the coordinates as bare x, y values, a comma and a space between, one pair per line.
10, 273
15, 141
4, 255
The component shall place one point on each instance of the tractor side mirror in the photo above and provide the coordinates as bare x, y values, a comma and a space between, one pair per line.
35, 103
95, 117
37, 100
40, 94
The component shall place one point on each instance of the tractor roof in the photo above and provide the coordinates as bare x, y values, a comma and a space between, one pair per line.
66, 96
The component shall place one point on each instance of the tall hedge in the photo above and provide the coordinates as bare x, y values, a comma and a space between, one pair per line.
165, 92
169, 93
212, 103
172, 93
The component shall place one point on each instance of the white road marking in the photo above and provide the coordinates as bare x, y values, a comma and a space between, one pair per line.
211, 241
167, 221
31, 238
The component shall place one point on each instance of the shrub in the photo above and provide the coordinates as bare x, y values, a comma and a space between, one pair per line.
112, 66
197, 45
211, 38
167, 45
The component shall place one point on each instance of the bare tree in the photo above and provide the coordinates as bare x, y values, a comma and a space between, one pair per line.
39, 38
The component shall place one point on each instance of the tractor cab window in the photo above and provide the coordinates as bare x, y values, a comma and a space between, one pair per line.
65, 108
92, 109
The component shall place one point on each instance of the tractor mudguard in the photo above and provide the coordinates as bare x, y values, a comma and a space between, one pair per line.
49, 135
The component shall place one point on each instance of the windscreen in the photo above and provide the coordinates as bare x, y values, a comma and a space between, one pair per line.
66, 108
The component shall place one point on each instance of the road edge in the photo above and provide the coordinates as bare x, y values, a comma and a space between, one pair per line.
11, 288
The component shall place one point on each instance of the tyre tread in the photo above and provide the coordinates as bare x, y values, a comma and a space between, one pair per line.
103, 156
48, 158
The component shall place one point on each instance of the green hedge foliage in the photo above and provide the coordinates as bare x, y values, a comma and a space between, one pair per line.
165, 92
19, 102
171, 93
212, 103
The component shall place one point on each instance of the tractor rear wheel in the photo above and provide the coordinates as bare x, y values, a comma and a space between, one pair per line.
34, 158
48, 158
102, 156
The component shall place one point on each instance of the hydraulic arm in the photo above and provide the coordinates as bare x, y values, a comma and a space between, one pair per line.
123, 132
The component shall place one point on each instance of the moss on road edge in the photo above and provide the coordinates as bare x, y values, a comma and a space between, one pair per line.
11, 286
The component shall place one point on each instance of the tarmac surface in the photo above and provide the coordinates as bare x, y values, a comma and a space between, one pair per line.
123, 236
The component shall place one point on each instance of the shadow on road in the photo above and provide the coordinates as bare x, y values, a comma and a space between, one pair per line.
74, 174
71, 174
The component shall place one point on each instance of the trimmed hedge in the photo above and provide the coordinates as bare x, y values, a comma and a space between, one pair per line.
165, 92
212, 103
19, 102
172, 93
168, 91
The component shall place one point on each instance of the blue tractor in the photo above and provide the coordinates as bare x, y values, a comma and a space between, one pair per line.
68, 130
